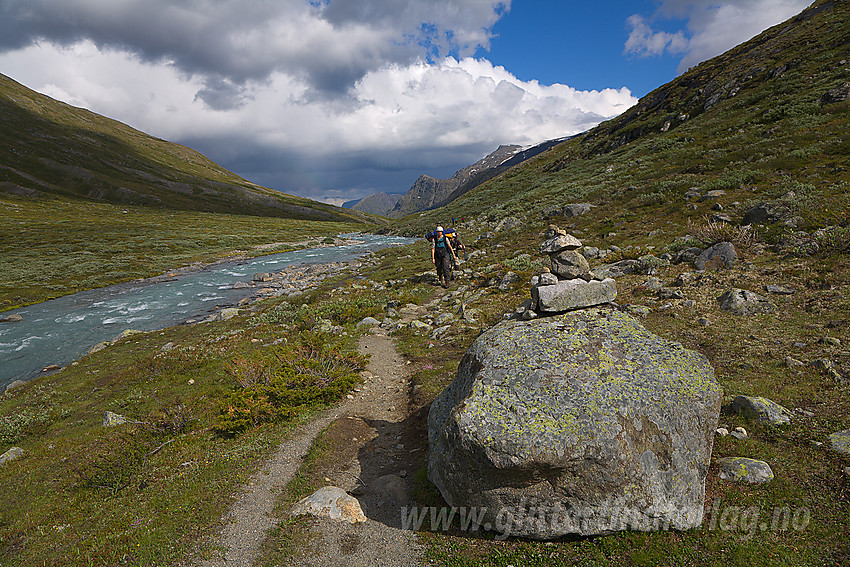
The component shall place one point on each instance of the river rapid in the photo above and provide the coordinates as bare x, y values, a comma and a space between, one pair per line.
61, 330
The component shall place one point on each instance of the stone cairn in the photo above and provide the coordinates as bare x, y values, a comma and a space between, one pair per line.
569, 283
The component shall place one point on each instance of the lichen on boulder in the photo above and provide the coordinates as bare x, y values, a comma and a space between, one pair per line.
583, 423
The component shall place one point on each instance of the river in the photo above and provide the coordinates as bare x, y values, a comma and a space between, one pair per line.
61, 330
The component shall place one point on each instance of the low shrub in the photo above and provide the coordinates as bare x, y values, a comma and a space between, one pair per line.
277, 384
710, 232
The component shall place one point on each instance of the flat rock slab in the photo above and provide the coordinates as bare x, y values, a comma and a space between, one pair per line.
583, 423
744, 469
573, 294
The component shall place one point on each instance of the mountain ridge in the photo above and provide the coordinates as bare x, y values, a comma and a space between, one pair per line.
754, 122
58, 149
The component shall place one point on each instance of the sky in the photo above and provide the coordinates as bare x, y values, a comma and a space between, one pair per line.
337, 99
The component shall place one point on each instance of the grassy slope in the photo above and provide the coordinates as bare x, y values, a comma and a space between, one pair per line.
56, 149
766, 134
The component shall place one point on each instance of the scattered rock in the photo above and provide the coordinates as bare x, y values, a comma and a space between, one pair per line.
573, 294
840, 441
684, 279
111, 419
11, 455
721, 217
51, 368
778, 290
739, 433
330, 502
12, 385
508, 223
722, 431
687, 255
638, 310
764, 213
576, 209
508, 280
793, 362
547, 279
744, 469
744, 302
368, 322
761, 409
838, 94
721, 255
14, 318
585, 411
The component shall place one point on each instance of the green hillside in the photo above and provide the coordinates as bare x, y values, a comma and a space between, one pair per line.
757, 122
51, 148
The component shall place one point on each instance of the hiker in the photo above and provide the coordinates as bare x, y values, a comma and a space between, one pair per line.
454, 240
440, 250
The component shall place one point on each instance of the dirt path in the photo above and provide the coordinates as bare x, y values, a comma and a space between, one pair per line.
372, 421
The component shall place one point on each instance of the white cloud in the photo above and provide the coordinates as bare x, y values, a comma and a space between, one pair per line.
643, 41
714, 26
415, 115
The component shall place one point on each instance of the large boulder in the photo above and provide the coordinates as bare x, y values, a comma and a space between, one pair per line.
583, 423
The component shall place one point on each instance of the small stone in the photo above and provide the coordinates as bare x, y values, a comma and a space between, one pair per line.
744, 302
778, 290
744, 469
761, 409
111, 419
722, 431
739, 433
831, 341
840, 441
11, 455
547, 279
703, 322
368, 322
51, 368
792, 362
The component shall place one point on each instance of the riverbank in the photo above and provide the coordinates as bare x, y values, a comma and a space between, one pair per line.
54, 333
52, 248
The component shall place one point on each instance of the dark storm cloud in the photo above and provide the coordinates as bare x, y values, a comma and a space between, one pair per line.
329, 45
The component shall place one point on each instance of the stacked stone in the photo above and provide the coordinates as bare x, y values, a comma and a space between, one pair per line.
569, 283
